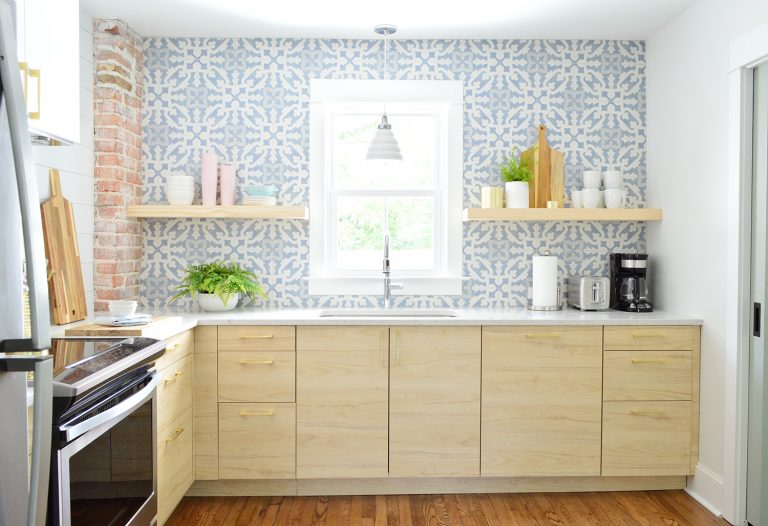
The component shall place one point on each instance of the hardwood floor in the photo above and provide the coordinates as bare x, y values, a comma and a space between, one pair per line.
668, 508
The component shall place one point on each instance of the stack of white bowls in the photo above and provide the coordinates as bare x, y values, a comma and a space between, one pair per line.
594, 196
180, 189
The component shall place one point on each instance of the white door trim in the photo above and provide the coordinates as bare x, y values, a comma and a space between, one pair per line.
745, 53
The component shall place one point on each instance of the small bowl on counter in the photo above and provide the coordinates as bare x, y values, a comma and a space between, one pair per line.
120, 308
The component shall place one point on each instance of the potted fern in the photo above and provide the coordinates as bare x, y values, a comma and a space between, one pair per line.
516, 175
218, 286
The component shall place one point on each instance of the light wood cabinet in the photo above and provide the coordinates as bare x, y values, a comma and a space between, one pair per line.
257, 376
257, 338
646, 438
342, 402
257, 441
649, 338
434, 404
541, 401
205, 404
647, 375
175, 466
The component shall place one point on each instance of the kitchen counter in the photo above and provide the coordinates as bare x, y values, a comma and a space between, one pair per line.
187, 320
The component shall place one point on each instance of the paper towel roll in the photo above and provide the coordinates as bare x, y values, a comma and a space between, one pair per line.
545, 281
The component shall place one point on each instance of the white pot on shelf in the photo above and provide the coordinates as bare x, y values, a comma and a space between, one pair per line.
516, 194
213, 303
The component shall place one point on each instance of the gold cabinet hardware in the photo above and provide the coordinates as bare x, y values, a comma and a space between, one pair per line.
174, 377
653, 414
258, 337
397, 355
35, 74
381, 348
647, 335
173, 348
176, 434
643, 361
256, 362
543, 335
257, 413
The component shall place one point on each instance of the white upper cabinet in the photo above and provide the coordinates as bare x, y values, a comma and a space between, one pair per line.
49, 57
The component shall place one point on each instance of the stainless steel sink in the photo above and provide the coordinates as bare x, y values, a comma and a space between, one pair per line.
388, 313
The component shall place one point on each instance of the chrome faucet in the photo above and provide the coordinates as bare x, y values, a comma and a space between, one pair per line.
388, 285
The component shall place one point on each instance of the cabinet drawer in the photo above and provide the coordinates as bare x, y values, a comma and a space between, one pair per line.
647, 375
174, 465
174, 392
176, 348
646, 438
259, 338
577, 341
648, 338
263, 376
257, 441
342, 338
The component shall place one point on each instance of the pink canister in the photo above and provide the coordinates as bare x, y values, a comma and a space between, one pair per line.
208, 178
228, 181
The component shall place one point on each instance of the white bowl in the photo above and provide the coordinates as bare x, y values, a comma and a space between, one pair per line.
122, 307
180, 178
181, 197
213, 303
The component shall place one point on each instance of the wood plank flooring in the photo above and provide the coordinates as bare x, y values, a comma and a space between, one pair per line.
648, 508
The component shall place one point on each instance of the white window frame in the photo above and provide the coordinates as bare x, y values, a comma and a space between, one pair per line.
446, 99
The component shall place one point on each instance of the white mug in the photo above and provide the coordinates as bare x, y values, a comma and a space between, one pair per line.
612, 180
591, 179
576, 199
591, 197
614, 198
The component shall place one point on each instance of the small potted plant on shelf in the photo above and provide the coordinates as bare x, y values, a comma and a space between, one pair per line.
516, 175
218, 286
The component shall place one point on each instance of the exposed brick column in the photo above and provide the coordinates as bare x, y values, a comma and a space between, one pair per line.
118, 59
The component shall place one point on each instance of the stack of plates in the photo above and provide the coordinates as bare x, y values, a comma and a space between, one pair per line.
260, 200
180, 189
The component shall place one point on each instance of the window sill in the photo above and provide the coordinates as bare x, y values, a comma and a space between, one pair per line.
355, 286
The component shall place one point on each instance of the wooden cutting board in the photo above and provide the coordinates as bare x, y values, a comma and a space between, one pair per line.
548, 172
65, 275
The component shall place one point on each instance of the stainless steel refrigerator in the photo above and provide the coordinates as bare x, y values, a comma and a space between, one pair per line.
23, 484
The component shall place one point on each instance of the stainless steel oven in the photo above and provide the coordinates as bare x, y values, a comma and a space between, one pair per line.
104, 467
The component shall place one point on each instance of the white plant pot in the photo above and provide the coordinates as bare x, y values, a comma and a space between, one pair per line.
213, 303
516, 194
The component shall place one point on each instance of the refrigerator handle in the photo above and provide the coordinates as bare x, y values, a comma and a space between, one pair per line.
29, 198
37, 506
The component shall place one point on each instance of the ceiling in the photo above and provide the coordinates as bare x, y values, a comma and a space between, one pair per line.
507, 19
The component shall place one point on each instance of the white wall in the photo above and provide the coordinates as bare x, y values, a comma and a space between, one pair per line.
687, 115
75, 162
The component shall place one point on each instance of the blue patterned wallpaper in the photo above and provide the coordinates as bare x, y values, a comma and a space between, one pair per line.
248, 100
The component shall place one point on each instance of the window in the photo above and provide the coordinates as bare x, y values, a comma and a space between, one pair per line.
354, 203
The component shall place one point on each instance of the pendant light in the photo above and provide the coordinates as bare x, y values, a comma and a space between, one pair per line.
384, 145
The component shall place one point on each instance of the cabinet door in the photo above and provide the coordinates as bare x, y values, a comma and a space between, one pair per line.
342, 402
51, 36
434, 405
175, 469
257, 441
541, 401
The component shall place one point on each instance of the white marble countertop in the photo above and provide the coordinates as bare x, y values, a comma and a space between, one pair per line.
521, 316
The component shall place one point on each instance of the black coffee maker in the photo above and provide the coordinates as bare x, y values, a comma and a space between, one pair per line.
629, 284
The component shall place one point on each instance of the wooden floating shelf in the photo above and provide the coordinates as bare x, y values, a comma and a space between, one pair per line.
562, 214
221, 212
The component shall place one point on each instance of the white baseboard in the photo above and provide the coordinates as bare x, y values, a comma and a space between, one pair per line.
706, 486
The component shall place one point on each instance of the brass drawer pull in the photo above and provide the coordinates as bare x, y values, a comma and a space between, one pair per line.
258, 337
647, 335
642, 361
176, 434
173, 348
257, 413
256, 362
174, 377
654, 414
543, 335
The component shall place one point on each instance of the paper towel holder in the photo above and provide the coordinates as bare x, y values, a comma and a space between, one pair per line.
547, 308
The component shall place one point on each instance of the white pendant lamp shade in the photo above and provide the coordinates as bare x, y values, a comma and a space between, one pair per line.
384, 145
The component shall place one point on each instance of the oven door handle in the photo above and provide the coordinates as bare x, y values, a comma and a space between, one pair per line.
125, 407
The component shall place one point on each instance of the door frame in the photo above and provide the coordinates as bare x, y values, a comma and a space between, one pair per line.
746, 53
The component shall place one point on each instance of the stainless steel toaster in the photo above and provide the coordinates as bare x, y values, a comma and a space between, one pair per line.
589, 292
